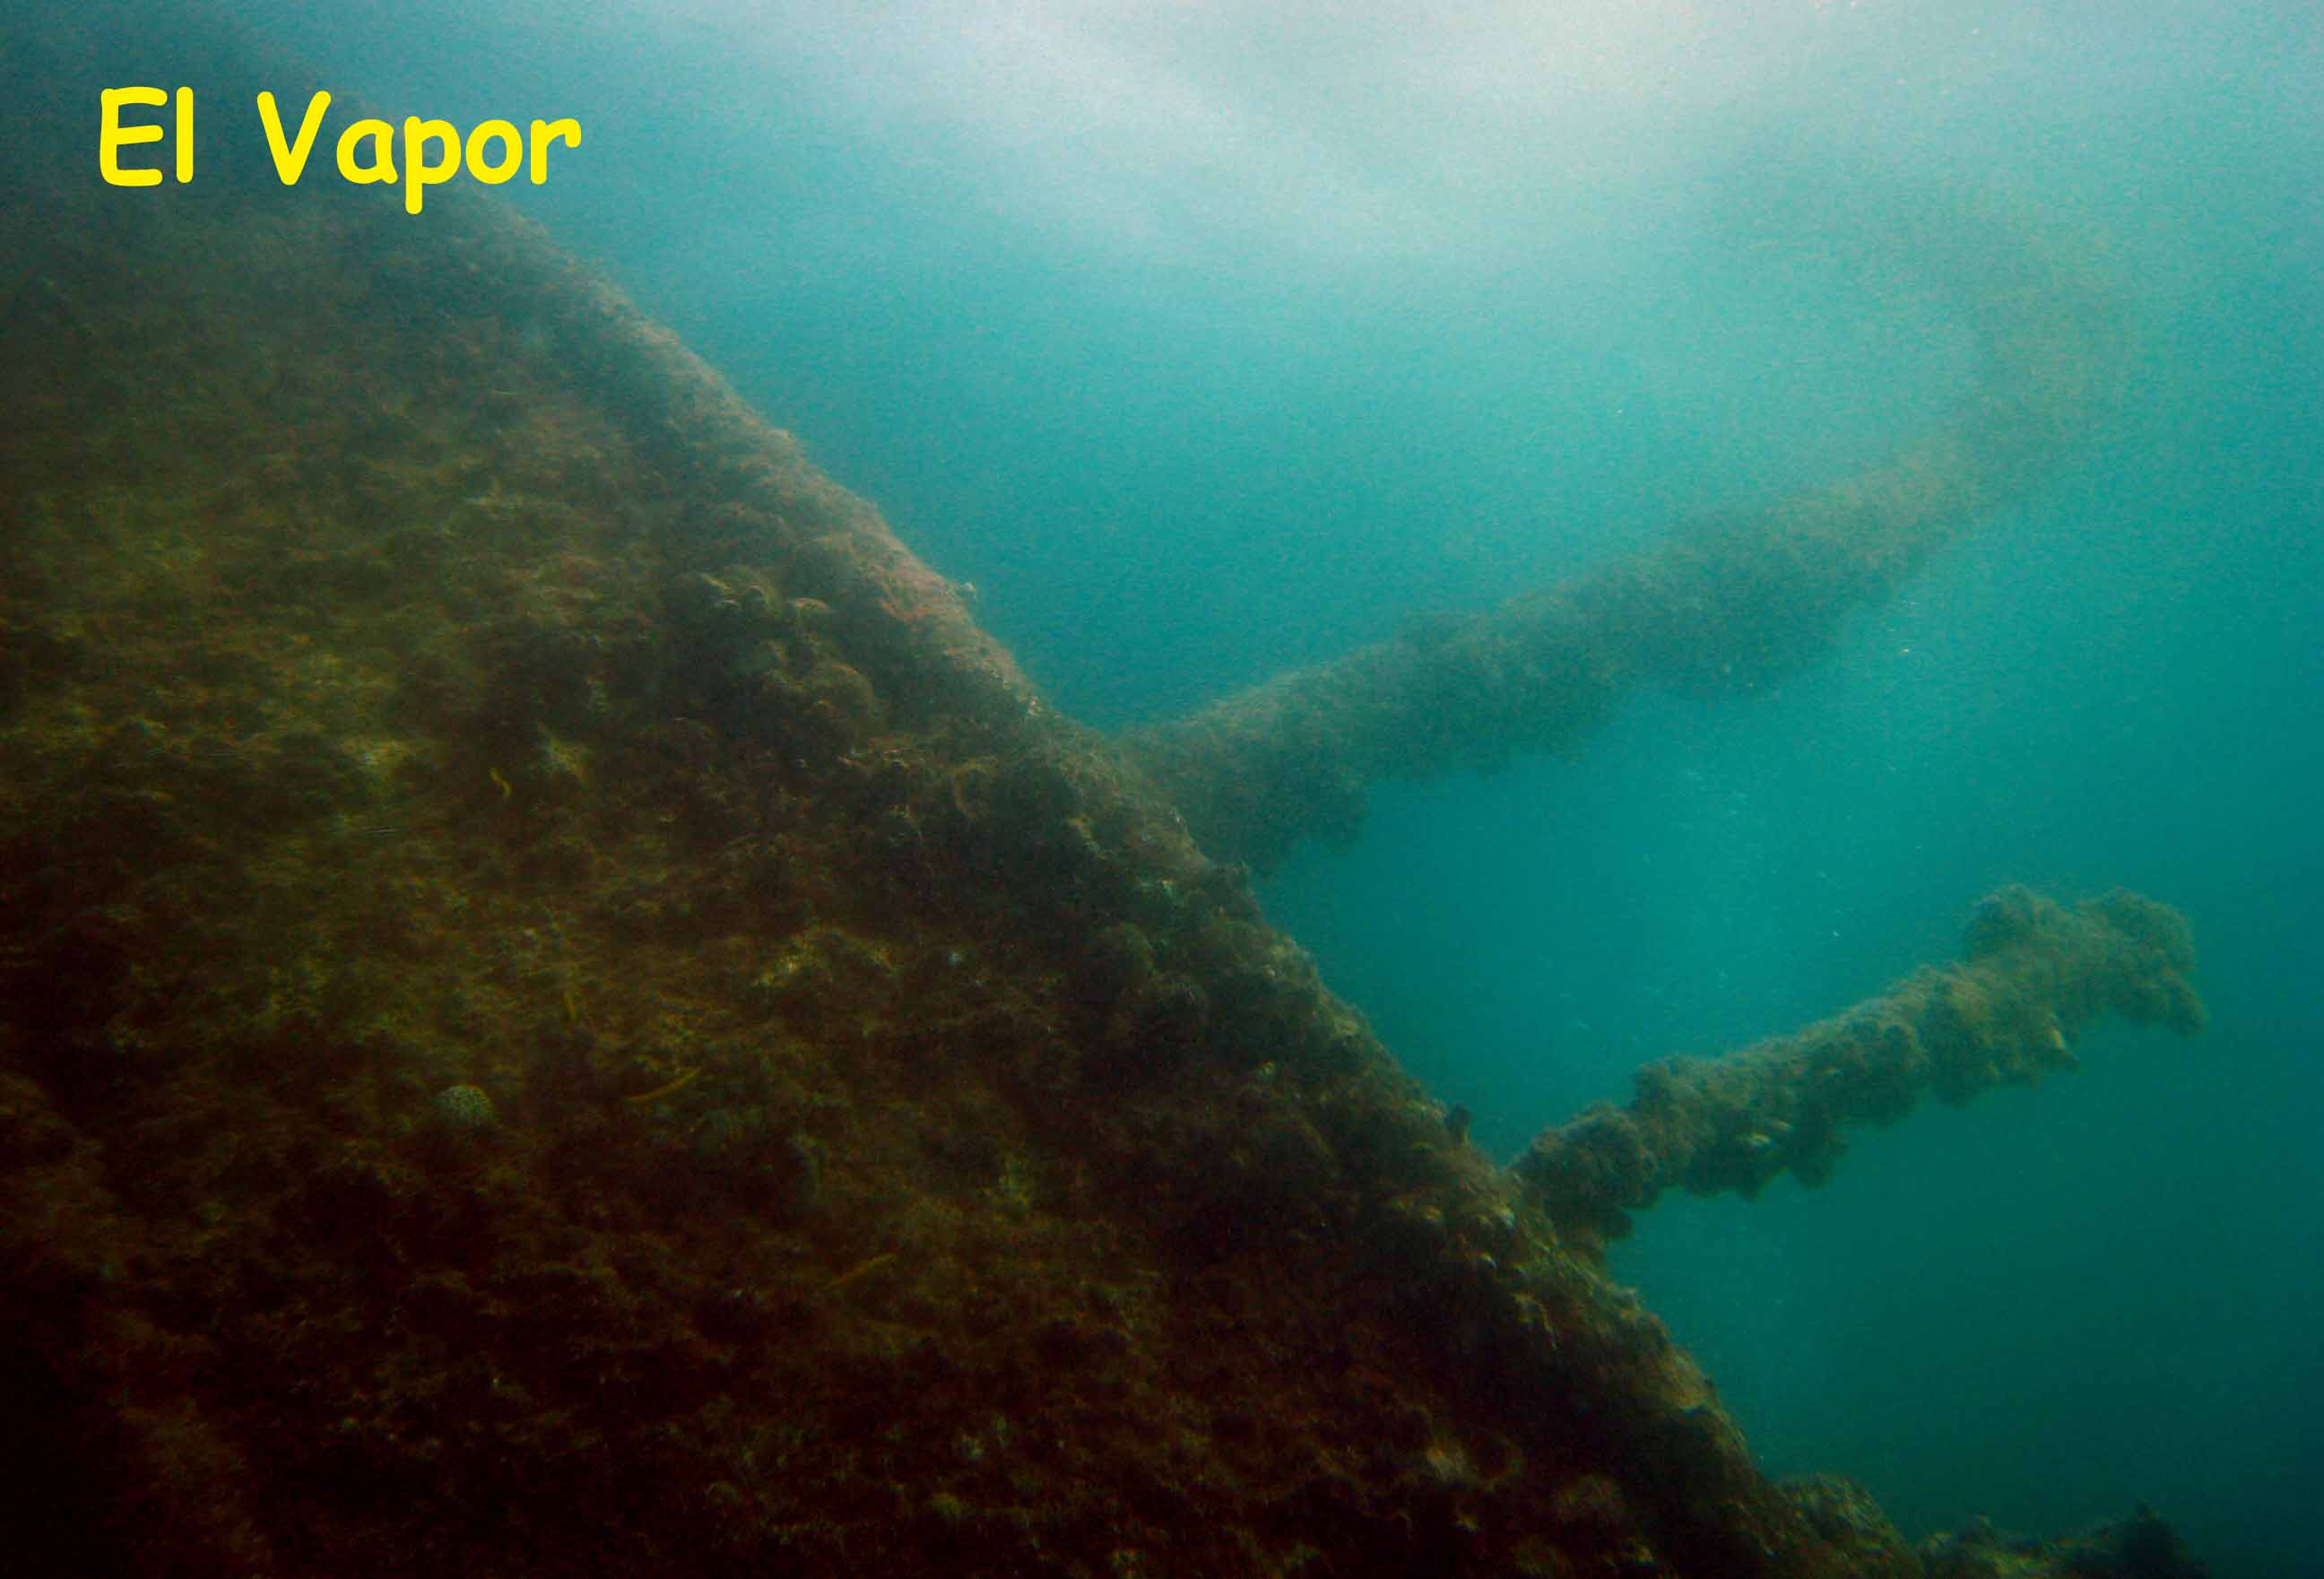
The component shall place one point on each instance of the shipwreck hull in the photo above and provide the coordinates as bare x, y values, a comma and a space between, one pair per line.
563, 1011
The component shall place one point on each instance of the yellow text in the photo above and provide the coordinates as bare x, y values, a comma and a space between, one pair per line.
419, 154
112, 135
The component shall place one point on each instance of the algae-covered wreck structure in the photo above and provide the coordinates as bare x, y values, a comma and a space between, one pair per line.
564, 1011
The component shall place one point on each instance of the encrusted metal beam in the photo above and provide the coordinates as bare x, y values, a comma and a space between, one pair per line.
1721, 606
2033, 974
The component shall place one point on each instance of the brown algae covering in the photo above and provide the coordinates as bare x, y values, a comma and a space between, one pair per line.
564, 1012
2034, 974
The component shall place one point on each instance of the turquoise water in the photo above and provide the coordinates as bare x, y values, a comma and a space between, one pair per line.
1207, 345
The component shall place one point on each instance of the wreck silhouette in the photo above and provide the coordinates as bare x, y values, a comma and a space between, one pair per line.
567, 1012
